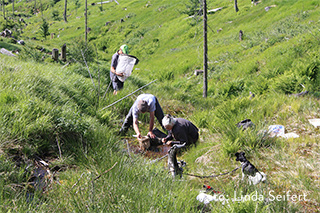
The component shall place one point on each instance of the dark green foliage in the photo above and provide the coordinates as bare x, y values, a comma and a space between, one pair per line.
55, 1
193, 7
44, 29
312, 70
77, 3
6, 24
55, 15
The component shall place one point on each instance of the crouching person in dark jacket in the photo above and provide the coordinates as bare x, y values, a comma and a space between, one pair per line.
181, 130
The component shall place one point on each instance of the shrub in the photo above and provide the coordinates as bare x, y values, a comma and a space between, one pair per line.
55, 1
44, 29
55, 15
193, 7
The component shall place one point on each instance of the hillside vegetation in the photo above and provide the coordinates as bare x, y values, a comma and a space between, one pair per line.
59, 111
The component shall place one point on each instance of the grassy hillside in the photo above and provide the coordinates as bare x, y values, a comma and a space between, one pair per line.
57, 111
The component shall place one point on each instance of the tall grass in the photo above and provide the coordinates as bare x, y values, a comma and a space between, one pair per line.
43, 106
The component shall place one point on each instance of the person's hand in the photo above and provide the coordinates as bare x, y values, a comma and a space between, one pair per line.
119, 74
163, 140
139, 135
151, 135
168, 142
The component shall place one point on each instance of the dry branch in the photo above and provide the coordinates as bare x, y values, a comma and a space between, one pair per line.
104, 172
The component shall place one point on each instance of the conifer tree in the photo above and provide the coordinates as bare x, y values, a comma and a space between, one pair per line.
44, 29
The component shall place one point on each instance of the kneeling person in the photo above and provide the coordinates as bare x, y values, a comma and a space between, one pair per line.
181, 130
144, 103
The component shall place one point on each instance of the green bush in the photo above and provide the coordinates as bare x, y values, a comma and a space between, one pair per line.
44, 29
55, 15
193, 7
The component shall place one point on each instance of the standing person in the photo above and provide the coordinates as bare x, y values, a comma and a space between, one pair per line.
181, 130
144, 103
116, 83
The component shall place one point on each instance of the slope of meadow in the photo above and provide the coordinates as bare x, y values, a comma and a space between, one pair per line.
57, 111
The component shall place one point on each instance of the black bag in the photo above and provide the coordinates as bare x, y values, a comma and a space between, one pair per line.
157, 140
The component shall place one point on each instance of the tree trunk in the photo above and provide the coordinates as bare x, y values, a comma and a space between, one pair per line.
64, 53
86, 32
12, 8
41, 8
4, 10
205, 47
173, 165
55, 54
65, 11
34, 8
240, 35
236, 5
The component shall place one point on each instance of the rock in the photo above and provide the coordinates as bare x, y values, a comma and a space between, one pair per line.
6, 52
21, 42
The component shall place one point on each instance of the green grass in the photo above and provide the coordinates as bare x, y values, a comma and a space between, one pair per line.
44, 104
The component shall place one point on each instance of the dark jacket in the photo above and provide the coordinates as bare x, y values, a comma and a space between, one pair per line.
184, 131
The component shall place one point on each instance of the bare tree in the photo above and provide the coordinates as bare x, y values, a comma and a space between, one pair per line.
240, 35
4, 10
12, 8
41, 8
205, 50
65, 11
236, 5
86, 31
35, 7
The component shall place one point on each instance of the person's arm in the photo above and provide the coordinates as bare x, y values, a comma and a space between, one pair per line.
114, 63
173, 142
136, 127
113, 70
169, 137
150, 133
